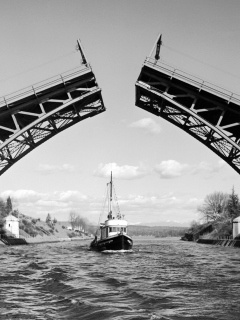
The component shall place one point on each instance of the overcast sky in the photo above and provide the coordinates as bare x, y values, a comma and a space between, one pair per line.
160, 172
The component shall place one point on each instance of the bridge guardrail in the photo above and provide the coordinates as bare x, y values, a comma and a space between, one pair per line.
199, 83
42, 85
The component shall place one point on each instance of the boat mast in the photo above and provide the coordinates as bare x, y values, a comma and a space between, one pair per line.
111, 190
111, 195
110, 199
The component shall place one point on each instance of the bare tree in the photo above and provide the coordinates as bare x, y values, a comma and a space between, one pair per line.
214, 206
72, 219
78, 222
84, 224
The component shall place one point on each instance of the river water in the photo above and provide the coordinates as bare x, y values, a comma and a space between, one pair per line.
159, 279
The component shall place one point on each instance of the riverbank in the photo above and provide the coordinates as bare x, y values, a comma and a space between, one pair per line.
220, 242
48, 240
38, 240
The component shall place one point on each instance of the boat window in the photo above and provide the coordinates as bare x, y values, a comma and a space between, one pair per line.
114, 229
124, 229
103, 233
110, 229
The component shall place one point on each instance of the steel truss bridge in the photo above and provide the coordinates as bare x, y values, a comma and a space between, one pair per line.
32, 116
208, 113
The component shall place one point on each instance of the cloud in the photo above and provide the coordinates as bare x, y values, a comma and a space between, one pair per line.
124, 172
147, 124
204, 167
74, 196
35, 204
167, 169
162, 207
50, 169
170, 169
136, 207
22, 195
52, 203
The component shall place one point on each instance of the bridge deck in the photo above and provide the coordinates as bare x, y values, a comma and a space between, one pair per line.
205, 111
33, 115
47, 86
194, 82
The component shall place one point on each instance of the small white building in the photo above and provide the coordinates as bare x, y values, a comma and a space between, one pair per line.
12, 225
236, 226
78, 229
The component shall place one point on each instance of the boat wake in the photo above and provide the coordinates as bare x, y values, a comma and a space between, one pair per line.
117, 251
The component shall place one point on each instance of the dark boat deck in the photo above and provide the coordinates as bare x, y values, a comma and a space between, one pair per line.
119, 242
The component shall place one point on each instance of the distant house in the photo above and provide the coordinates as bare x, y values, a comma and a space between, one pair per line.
78, 229
12, 225
236, 227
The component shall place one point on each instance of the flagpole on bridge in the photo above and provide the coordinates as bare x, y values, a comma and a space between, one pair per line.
80, 48
157, 44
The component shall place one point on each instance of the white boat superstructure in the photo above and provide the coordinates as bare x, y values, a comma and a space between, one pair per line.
113, 232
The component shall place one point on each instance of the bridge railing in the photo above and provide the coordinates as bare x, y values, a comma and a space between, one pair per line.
193, 80
43, 85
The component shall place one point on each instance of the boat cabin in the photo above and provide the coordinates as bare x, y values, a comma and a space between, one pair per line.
112, 227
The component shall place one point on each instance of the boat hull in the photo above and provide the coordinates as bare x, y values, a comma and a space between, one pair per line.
119, 242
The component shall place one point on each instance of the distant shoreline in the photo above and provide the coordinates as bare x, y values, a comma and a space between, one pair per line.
36, 240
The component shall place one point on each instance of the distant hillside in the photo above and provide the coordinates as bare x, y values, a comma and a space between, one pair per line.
30, 227
33, 227
51, 227
159, 231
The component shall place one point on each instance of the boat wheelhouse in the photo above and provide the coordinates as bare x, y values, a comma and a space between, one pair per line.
113, 227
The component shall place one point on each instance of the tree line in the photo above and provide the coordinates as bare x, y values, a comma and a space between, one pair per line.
80, 223
158, 232
219, 209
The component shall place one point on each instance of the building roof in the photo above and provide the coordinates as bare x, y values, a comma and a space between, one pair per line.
10, 217
237, 219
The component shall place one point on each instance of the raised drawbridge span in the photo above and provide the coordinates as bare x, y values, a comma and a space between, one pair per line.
33, 115
208, 113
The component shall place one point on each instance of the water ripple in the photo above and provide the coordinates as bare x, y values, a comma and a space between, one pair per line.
163, 279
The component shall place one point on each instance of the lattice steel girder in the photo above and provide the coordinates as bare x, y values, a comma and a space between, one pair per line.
32, 116
206, 112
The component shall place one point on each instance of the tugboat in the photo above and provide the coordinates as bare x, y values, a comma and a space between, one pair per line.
113, 232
